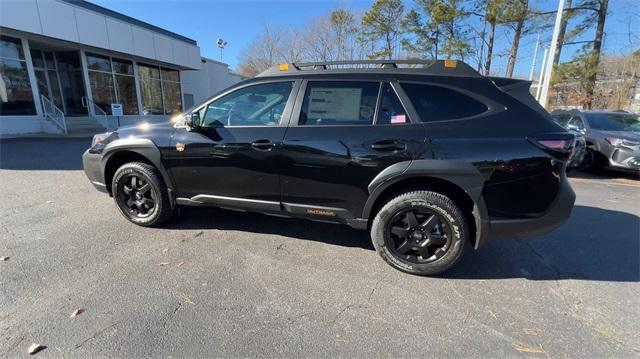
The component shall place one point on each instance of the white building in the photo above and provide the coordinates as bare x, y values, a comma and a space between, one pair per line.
63, 63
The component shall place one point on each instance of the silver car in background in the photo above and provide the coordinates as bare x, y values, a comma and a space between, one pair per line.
612, 138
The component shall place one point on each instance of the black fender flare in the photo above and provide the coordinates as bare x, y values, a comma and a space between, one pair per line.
462, 174
145, 148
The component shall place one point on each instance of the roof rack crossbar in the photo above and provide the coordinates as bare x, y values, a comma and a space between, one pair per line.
432, 67
382, 63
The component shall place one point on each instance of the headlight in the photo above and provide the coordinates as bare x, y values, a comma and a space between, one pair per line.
99, 138
621, 142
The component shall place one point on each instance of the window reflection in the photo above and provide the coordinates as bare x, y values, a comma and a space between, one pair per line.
112, 81
160, 90
16, 97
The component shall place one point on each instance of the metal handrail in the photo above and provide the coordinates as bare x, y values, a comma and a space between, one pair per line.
97, 111
52, 112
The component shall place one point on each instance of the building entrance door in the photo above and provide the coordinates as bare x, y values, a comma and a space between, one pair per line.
71, 82
44, 65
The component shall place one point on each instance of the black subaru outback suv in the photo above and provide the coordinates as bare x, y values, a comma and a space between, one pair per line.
429, 158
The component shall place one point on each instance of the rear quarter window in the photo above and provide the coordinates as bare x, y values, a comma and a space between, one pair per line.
435, 103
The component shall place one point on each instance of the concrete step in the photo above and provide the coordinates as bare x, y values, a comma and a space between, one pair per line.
83, 125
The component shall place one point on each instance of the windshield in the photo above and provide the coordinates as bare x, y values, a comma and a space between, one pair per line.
614, 121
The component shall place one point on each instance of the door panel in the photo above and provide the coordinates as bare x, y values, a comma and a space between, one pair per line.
226, 162
233, 153
332, 165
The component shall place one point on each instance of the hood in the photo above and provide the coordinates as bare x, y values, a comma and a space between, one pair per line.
144, 129
625, 135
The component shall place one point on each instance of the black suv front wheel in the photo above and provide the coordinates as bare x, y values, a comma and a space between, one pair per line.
420, 232
141, 194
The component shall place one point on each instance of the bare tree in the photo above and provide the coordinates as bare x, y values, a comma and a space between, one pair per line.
518, 13
563, 29
597, 47
263, 52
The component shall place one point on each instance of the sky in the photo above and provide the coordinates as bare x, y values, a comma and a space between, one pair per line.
239, 22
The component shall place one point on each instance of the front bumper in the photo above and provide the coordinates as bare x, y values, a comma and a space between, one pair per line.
91, 162
557, 215
625, 159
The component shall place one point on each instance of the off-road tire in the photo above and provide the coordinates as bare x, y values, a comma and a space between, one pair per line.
428, 201
148, 174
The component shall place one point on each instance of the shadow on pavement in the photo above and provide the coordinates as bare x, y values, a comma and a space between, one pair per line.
595, 244
604, 174
220, 219
42, 154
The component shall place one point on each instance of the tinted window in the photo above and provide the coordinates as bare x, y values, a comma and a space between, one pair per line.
391, 110
339, 103
257, 105
613, 121
435, 103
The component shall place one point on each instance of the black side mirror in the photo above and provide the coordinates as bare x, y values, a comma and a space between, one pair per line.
192, 120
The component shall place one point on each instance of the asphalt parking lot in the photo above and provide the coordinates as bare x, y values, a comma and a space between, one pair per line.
221, 283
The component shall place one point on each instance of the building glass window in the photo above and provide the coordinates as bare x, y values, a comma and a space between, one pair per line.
47, 75
16, 98
160, 90
112, 81
150, 90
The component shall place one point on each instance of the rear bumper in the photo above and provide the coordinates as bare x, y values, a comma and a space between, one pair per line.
91, 162
557, 215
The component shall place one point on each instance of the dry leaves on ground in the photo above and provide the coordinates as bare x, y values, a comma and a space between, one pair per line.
524, 349
34, 348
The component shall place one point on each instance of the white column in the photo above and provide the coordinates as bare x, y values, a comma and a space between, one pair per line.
549, 68
136, 80
32, 77
87, 84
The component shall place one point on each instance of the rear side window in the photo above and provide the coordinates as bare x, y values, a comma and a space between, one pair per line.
435, 103
391, 110
328, 103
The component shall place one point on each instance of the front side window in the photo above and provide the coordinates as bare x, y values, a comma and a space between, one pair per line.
328, 103
435, 103
257, 105
16, 97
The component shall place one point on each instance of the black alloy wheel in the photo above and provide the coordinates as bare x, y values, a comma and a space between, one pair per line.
137, 195
420, 232
141, 195
418, 235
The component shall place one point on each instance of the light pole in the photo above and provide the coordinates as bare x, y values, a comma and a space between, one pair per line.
549, 65
541, 78
535, 57
221, 44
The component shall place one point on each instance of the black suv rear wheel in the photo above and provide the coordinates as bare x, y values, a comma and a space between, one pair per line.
420, 232
141, 195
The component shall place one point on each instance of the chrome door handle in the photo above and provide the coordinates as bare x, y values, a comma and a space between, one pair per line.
262, 145
389, 145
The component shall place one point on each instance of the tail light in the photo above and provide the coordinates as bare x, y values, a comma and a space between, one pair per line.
559, 146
